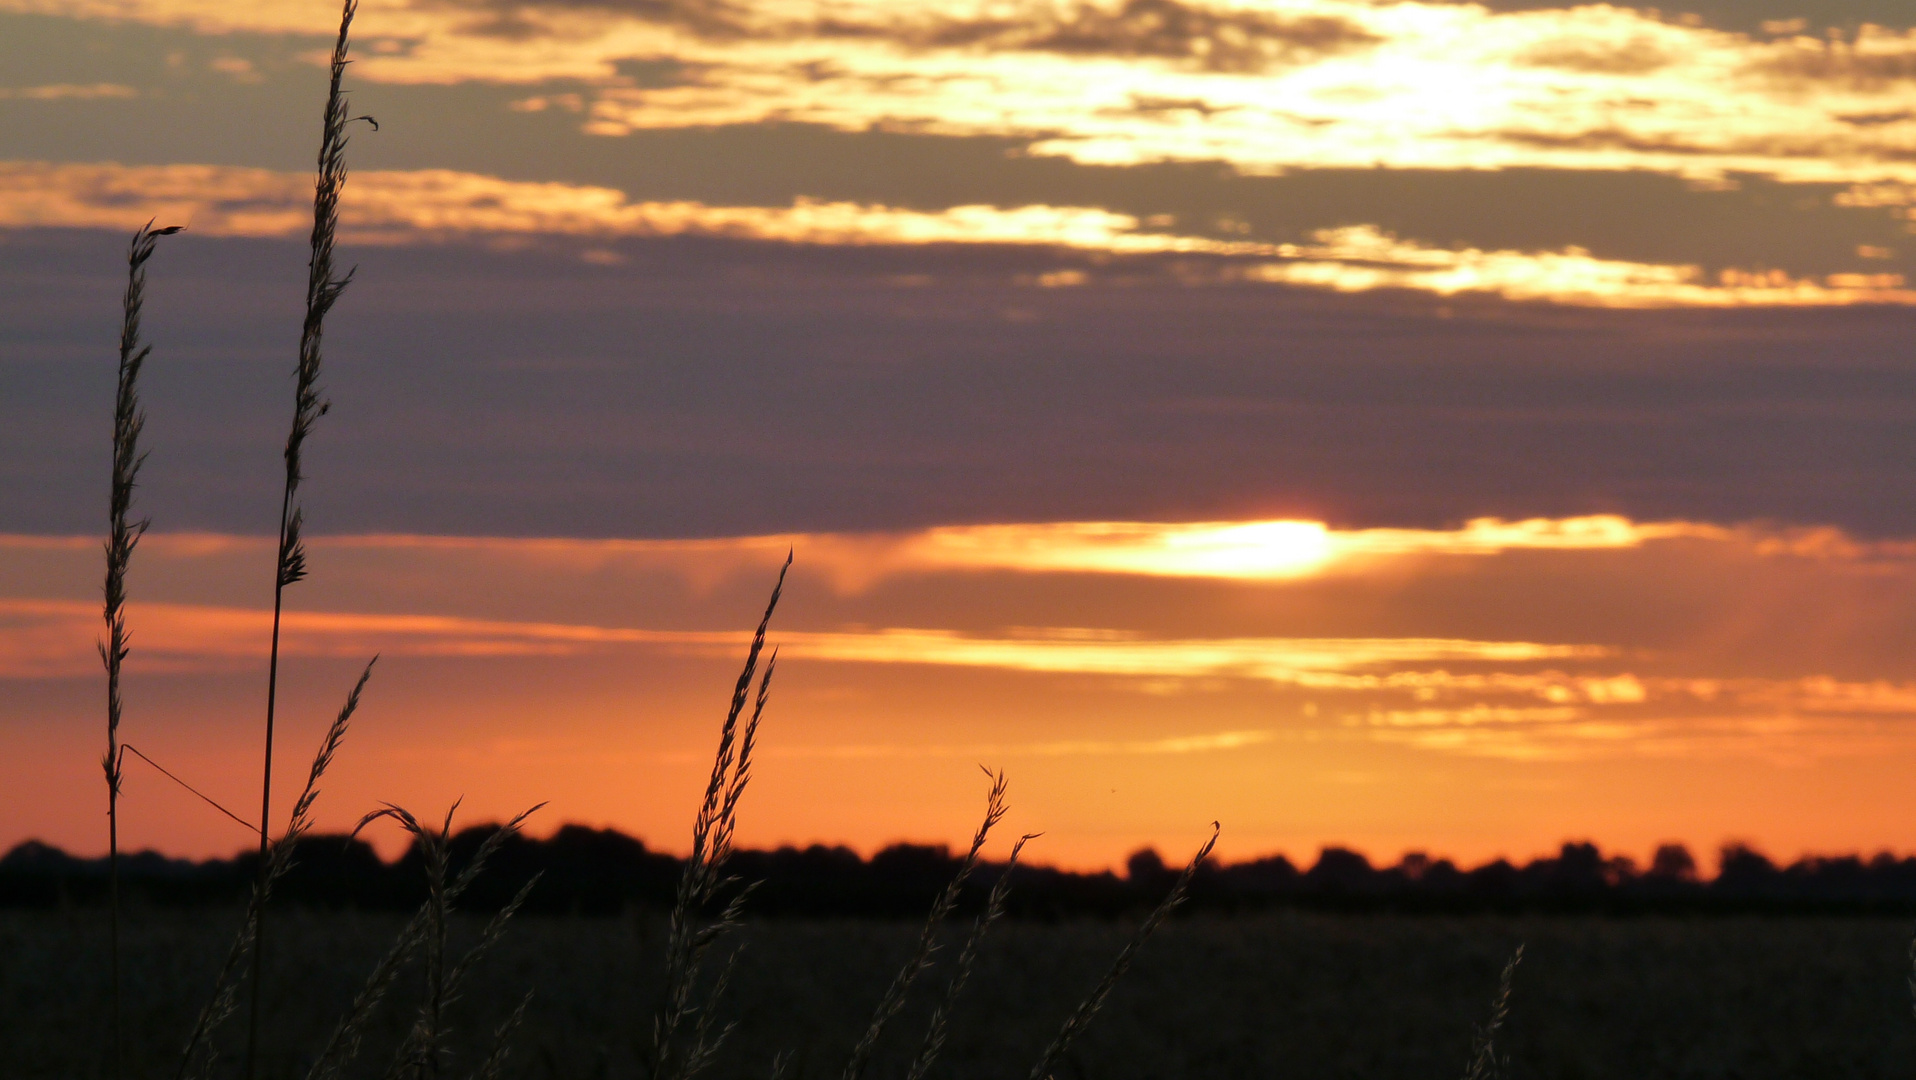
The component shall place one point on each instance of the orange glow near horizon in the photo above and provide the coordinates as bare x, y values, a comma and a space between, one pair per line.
1303, 683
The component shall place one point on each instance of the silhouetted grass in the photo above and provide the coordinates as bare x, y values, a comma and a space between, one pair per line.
1484, 1063
323, 289
123, 535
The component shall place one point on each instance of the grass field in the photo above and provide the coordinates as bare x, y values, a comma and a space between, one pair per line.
1268, 996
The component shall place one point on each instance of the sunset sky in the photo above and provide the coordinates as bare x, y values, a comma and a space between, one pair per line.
1404, 425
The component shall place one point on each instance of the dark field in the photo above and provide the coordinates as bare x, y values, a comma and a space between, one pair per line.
1274, 995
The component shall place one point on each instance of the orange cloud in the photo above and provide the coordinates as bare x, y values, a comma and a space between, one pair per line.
1484, 678
67, 92
1185, 744
43, 638
1228, 550
425, 205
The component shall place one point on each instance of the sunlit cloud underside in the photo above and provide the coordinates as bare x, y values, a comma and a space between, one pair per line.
1260, 85
1571, 715
1512, 695
48, 638
1248, 551
436, 205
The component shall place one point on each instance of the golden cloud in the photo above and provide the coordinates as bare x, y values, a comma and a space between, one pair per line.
1739, 680
1249, 551
1266, 84
1182, 744
436, 204
50, 638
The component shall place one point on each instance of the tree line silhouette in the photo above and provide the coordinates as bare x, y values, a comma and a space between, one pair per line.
603, 871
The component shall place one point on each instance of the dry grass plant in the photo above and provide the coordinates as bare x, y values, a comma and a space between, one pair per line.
1081, 1019
196, 1060
921, 955
1484, 1063
123, 535
421, 1054
935, 1032
323, 289
676, 1052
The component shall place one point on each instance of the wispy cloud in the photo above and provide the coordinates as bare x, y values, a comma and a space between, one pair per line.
1259, 85
67, 92
437, 204
1570, 734
1247, 551
43, 638
1250, 551
1512, 673
1182, 744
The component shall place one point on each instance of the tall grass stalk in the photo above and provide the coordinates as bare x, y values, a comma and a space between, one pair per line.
495, 1062
941, 1016
1484, 1063
323, 289
921, 954
687, 941
196, 1060
123, 535
1088, 1009
1912, 977
343, 1045
421, 1052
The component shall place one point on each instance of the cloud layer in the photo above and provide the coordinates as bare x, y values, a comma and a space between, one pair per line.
1410, 670
1261, 86
427, 205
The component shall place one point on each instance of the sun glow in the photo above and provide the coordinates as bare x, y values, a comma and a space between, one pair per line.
1250, 550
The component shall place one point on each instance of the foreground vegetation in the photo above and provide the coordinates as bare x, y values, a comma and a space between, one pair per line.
1264, 996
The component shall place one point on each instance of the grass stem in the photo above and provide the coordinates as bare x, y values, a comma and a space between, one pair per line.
323, 289
1081, 1019
123, 535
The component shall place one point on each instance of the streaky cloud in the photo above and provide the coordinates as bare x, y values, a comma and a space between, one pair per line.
433, 205
49, 638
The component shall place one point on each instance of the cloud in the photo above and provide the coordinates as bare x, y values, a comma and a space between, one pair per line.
1183, 744
1874, 60
52, 638
1363, 258
1544, 639
1243, 551
1210, 38
67, 92
1239, 550
1269, 86
1247, 551
1633, 56
1567, 735
438, 204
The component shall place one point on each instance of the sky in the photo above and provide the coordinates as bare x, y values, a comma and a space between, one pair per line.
1403, 425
